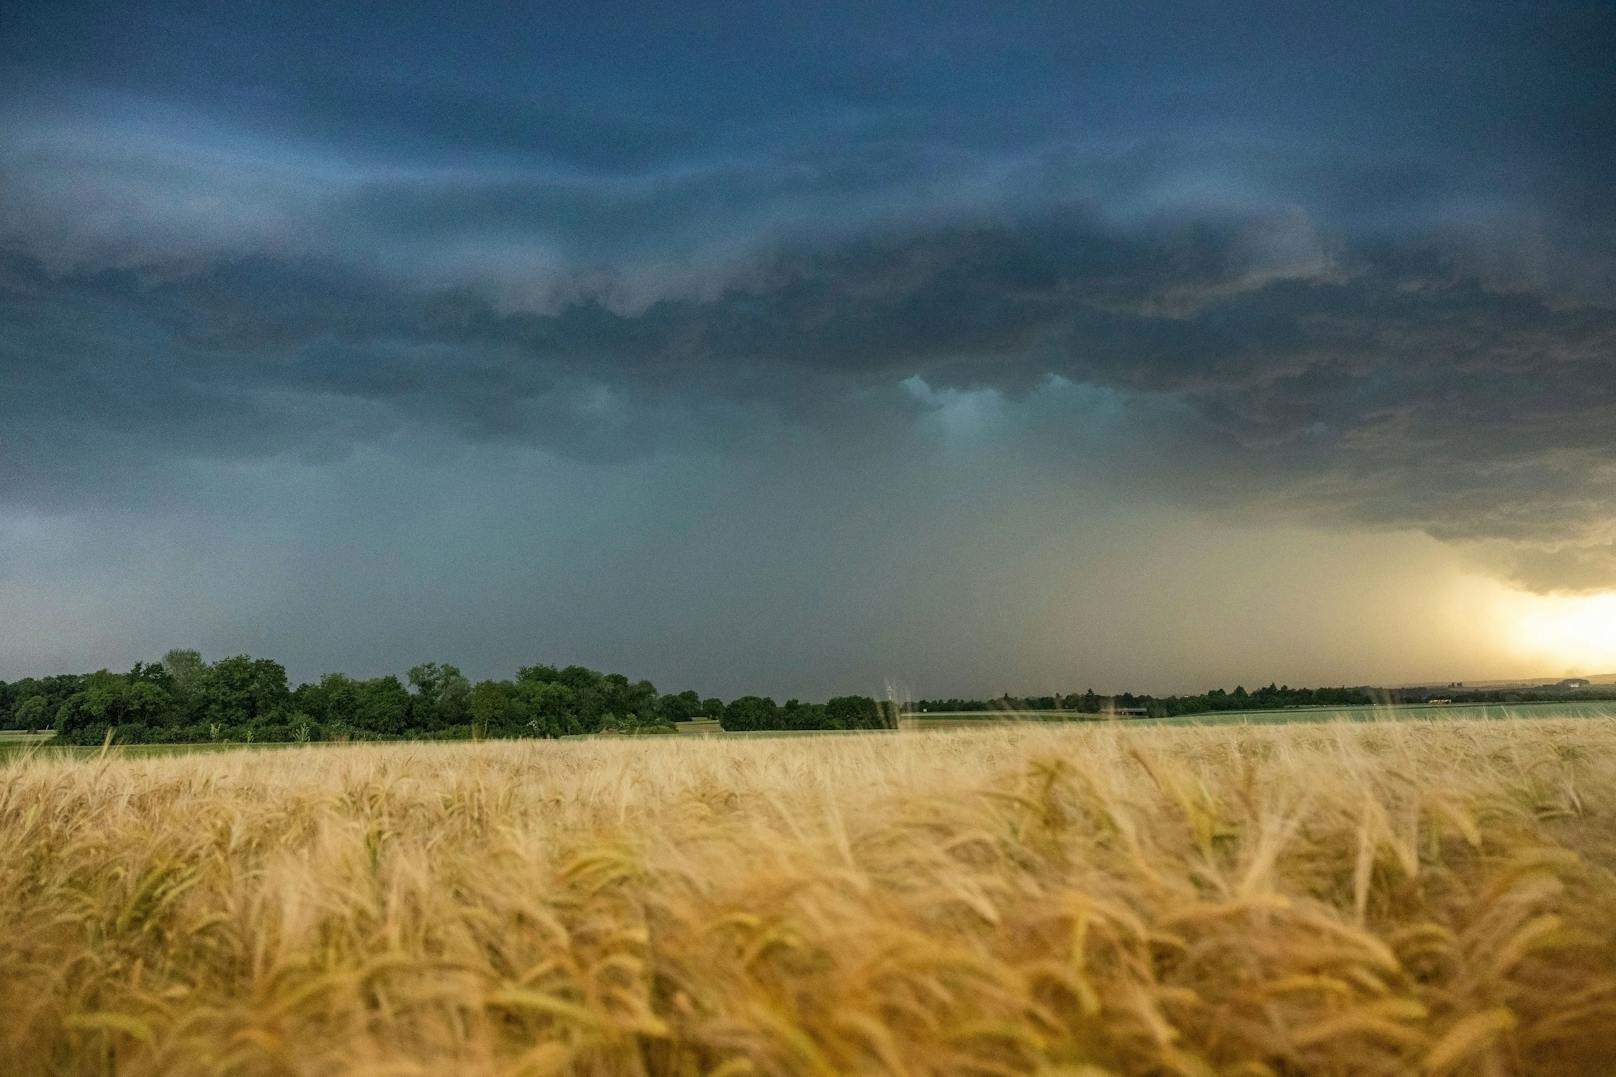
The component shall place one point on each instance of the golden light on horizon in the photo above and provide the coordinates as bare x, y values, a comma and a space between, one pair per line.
1569, 633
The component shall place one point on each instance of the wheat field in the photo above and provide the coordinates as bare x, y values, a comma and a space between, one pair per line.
1343, 898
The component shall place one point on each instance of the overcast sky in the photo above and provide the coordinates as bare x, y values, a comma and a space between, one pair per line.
801, 349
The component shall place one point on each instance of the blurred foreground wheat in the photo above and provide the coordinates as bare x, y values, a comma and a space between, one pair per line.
1348, 898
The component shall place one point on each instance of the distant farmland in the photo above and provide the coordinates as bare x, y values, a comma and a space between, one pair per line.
1401, 712
12, 743
1593, 708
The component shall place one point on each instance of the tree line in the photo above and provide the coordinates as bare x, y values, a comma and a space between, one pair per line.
183, 699
1272, 697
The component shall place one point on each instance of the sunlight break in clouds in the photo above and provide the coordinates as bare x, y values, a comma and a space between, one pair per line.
1575, 634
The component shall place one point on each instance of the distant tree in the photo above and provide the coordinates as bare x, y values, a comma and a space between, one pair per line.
442, 695
186, 667
31, 714
492, 708
332, 701
751, 713
154, 673
581, 678
679, 708
546, 708
587, 703
806, 716
234, 691
853, 712
538, 674
382, 706
108, 702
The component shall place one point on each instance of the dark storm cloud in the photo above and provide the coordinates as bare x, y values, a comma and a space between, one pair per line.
1363, 261
1394, 395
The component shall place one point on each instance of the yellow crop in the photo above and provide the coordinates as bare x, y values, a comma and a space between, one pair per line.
1347, 898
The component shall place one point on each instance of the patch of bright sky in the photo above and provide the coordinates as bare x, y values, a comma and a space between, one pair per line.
1573, 634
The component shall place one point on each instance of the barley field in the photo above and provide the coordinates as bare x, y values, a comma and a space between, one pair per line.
1333, 898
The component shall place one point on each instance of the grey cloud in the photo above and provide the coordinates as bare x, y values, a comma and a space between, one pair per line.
1344, 379
1569, 568
103, 181
1345, 337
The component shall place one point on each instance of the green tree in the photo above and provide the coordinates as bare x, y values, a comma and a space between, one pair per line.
798, 715
186, 667
108, 702
442, 695
381, 707
751, 713
854, 712
679, 708
31, 714
492, 707
547, 708
236, 691
332, 701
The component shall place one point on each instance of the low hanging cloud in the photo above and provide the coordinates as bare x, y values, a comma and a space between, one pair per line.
1382, 388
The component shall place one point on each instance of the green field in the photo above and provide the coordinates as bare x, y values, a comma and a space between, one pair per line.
14, 742
1592, 708
1394, 712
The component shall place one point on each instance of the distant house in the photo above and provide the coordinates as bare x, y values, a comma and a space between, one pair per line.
1439, 700
1574, 682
